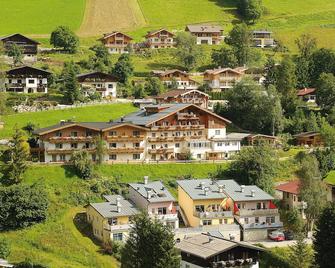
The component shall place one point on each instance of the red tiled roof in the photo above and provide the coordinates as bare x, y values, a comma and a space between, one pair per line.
306, 91
289, 187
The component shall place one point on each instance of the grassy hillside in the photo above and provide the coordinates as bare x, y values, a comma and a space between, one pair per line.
47, 118
39, 16
63, 241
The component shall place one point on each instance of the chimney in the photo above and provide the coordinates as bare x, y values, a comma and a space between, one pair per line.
146, 179
210, 238
242, 188
202, 185
148, 194
206, 191
62, 122
122, 119
253, 193
221, 188
118, 204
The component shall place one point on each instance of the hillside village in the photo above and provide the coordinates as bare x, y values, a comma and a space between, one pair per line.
196, 144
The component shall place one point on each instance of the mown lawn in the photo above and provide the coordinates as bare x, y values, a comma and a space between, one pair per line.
63, 241
46, 118
39, 16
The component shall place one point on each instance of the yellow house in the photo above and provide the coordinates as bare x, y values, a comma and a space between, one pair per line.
204, 202
110, 220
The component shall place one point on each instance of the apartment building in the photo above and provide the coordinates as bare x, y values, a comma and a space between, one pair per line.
206, 34
193, 96
102, 83
161, 38
27, 79
156, 199
216, 202
181, 78
156, 132
262, 39
223, 78
111, 220
116, 42
29, 47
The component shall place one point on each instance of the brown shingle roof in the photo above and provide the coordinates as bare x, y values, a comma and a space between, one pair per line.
289, 187
306, 91
203, 28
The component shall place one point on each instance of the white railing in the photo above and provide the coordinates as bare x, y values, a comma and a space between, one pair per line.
213, 215
257, 212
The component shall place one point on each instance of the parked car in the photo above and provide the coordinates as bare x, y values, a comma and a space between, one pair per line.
289, 235
277, 236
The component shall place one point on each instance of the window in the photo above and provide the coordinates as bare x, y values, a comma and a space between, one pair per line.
110, 85
177, 145
58, 134
19, 81
199, 208
74, 134
136, 133
87, 145
112, 133
199, 156
59, 146
112, 157
246, 220
161, 211
153, 135
54, 158
206, 222
259, 205
136, 156
112, 221
220, 221
219, 144
62, 157
287, 195
225, 221
112, 145
153, 146
217, 132
294, 198
256, 219
118, 237
30, 81
88, 133
74, 145
136, 145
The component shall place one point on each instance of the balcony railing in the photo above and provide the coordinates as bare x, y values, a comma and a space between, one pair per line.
71, 139
262, 225
257, 212
160, 139
213, 215
165, 217
118, 227
126, 150
161, 151
70, 150
178, 127
125, 138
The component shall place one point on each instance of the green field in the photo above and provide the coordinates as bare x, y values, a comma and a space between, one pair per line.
46, 118
59, 242
330, 177
39, 16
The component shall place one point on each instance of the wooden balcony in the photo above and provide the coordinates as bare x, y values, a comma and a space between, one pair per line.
70, 150
126, 150
125, 138
71, 139
161, 151
160, 139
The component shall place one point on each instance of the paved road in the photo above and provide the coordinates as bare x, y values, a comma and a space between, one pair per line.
272, 244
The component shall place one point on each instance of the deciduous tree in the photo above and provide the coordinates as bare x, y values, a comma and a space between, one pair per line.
123, 68
82, 164
16, 52
224, 57
63, 37
325, 94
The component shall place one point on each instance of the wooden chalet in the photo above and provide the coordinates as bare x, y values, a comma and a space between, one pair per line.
311, 138
262, 39
206, 34
183, 79
116, 42
161, 38
307, 95
29, 47
192, 96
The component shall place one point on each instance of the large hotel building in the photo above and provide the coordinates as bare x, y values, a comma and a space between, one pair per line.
157, 132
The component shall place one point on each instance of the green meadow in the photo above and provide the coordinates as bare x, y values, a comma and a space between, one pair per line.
39, 16
46, 118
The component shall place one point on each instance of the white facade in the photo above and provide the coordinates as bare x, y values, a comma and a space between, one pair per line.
27, 85
104, 88
185, 264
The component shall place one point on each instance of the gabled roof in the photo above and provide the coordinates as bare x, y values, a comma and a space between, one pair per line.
222, 70
142, 118
178, 92
167, 72
107, 35
109, 209
196, 190
307, 134
306, 91
206, 246
21, 36
26, 70
151, 33
203, 28
97, 74
158, 192
289, 187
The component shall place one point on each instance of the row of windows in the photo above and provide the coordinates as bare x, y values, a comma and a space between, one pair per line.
268, 220
233, 143
209, 222
73, 145
199, 144
114, 145
178, 134
114, 157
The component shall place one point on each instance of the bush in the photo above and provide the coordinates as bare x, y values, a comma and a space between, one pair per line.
22, 206
4, 249
82, 164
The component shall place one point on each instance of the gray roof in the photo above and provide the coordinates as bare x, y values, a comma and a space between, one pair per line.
231, 189
203, 28
159, 193
206, 246
109, 209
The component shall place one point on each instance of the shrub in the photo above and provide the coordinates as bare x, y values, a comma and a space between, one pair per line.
82, 164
